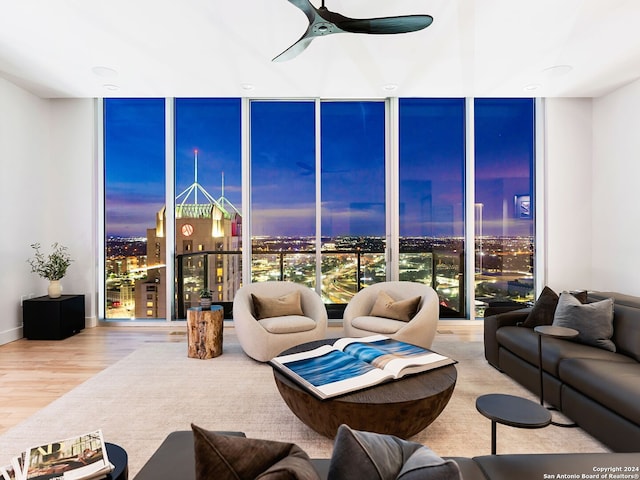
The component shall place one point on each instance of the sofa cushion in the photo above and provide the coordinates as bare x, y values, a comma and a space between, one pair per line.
545, 307
626, 322
373, 456
237, 458
593, 321
266, 307
523, 342
386, 306
614, 385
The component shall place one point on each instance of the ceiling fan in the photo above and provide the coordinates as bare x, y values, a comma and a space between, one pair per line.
324, 22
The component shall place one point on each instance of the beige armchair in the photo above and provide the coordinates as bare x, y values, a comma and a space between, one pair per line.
419, 330
263, 339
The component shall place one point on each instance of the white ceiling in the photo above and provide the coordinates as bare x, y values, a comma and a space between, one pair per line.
218, 48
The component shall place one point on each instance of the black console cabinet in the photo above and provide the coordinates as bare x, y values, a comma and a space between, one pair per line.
45, 318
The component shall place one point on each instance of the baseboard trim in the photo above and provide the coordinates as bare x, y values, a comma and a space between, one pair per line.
90, 322
11, 335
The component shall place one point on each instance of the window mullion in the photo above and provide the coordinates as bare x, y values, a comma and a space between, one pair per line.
170, 195
318, 170
392, 202
245, 161
470, 196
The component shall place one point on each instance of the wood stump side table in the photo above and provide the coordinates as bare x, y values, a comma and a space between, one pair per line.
204, 332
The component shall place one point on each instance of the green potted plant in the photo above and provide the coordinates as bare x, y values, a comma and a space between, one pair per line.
53, 267
205, 298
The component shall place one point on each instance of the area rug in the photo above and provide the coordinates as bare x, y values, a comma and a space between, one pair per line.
157, 389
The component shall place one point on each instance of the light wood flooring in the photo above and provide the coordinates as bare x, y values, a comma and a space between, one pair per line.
33, 373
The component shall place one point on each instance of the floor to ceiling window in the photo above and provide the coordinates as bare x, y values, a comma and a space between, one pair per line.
134, 191
504, 201
353, 197
283, 191
320, 175
431, 189
208, 185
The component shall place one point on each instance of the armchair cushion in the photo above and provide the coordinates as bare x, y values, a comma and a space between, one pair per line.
238, 458
287, 324
267, 307
383, 326
358, 454
386, 307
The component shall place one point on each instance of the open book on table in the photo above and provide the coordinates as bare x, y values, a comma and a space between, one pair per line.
352, 364
78, 458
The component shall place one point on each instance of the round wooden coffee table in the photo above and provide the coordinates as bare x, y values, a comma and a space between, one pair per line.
402, 407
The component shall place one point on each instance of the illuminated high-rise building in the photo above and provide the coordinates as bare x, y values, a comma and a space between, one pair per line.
205, 232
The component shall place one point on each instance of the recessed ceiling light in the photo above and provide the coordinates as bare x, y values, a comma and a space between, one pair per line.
248, 86
531, 87
111, 87
390, 87
557, 70
104, 72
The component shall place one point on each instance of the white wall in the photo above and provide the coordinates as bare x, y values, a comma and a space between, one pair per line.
75, 221
616, 191
593, 187
568, 193
46, 177
47, 192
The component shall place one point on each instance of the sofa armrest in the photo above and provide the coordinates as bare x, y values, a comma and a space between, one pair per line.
174, 458
491, 326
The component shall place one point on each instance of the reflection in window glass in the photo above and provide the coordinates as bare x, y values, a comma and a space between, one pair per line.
208, 221
134, 167
353, 197
504, 215
431, 178
283, 191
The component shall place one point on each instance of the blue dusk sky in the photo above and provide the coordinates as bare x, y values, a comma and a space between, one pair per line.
352, 143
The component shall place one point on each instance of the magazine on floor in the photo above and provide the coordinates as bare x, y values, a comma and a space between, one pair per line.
77, 458
352, 364
8, 472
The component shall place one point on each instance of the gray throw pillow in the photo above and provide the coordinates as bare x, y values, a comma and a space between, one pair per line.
544, 309
593, 321
373, 456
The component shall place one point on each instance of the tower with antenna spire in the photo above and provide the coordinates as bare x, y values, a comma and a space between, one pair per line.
206, 229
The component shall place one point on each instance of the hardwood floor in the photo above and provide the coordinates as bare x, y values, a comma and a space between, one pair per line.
33, 373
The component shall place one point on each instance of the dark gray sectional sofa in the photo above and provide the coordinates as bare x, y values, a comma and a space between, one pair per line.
596, 388
174, 460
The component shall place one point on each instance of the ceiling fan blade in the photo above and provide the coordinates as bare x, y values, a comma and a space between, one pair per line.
318, 26
385, 25
324, 22
306, 6
294, 50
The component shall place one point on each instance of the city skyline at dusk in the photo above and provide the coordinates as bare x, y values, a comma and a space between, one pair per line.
283, 156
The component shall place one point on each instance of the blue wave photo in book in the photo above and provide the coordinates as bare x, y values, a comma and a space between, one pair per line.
352, 364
